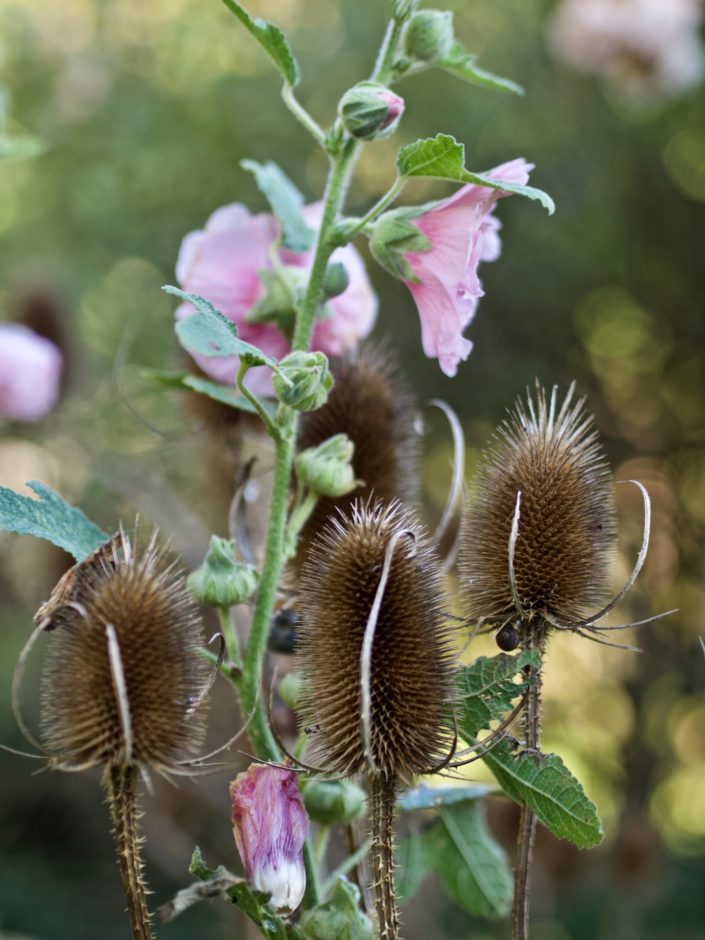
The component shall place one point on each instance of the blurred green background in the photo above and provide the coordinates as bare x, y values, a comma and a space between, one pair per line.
145, 110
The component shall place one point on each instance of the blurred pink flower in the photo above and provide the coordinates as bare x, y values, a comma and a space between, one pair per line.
222, 263
270, 824
463, 232
646, 49
30, 373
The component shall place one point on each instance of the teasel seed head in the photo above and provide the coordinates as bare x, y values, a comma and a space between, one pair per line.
402, 726
122, 676
564, 519
372, 406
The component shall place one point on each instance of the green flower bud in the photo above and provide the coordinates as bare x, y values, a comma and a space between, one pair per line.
340, 916
326, 469
429, 35
394, 235
336, 280
369, 111
310, 380
290, 689
221, 581
334, 801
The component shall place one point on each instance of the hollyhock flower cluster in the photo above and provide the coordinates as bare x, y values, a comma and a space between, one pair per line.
223, 262
456, 234
644, 48
270, 825
30, 373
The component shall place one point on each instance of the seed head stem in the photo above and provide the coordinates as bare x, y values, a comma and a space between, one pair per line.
382, 797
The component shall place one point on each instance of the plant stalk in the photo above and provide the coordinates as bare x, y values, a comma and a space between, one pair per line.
119, 782
382, 797
535, 639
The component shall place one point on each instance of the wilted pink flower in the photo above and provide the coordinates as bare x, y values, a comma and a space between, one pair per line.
644, 48
30, 372
270, 824
223, 263
462, 232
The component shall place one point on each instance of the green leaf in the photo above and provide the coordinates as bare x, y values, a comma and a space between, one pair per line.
443, 157
286, 202
220, 393
20, 148
412, 865
472, 867
339, 917
425, 797
210, 333
50, 518
272, 40
488, 690
545, 784
461, 64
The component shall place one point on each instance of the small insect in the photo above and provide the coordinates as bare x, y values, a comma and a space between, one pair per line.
507, 637
65, 597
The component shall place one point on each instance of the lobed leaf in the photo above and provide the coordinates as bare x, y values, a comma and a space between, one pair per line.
286, 202
443, 157
463, 65
51, 518
272, 40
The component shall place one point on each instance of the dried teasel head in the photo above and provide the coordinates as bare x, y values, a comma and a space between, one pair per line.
122, 677
371, 404
375, 645
542, 498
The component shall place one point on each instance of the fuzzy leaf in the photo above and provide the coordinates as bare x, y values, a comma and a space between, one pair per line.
210, 333
220, 393
425, 797
443, 157
472, 867
545, 784
272, 40
488, 690
50, 518
461, 64
286, 202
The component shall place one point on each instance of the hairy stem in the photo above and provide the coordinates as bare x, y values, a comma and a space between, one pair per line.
119, 782
527, 821
382, 796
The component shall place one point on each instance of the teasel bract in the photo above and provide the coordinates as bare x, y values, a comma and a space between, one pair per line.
539, 533
123, 685
377, 658
372, 405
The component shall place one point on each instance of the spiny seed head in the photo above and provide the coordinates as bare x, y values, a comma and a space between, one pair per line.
411, 672
566, 526
372, 406
156, 626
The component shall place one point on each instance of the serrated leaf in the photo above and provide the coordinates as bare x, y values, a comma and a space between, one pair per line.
488, 690
286, 202
463, 65
210, 333
50, 518
472, 867
219, 393
272, 40
545, 784
443, 157
425, 797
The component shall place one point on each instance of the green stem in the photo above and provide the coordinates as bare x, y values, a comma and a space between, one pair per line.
272, 428
377, 209
302, 116
232, 642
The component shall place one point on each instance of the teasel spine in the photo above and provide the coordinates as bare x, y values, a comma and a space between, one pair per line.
382, 798
120, 785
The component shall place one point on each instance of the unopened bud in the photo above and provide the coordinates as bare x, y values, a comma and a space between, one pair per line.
370, 111
336, 280
429, 35
290, 689
327, 468
221, 581
309, 377
334, 801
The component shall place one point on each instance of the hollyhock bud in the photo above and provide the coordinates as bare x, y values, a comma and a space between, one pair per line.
30, 371
221, 581
270, 825
310, 380
327, 469
370, 111
429, 35
334, 801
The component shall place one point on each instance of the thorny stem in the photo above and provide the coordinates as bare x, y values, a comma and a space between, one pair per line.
382, 796
535, 639
119, 782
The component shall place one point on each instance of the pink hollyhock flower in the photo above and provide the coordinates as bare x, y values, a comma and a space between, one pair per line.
270, 824
222, 263
30, 373
462, 232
